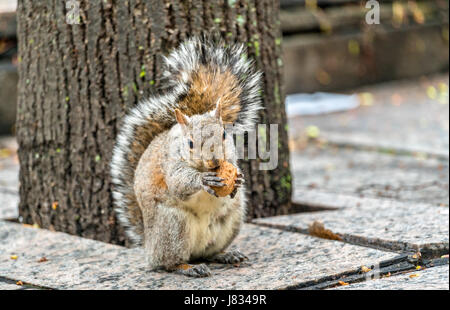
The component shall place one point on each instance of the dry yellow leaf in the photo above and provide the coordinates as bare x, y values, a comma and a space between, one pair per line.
342, 283
317, 229
14, 257
366, 99
5, 153
365, 269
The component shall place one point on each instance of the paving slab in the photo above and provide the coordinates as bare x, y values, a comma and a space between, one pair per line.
9, 286
9, 164
9, 202
344, 171
436, 278
278, 260
384, 224
9, 177
404, 116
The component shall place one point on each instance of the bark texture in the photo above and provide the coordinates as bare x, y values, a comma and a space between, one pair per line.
77, 81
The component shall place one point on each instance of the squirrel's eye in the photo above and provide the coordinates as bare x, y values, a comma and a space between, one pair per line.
224, 135
191, 144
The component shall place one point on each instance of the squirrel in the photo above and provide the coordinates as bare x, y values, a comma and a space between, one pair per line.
162, 195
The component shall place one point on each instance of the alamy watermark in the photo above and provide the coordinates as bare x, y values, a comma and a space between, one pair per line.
208, 145
373, 15
73, 12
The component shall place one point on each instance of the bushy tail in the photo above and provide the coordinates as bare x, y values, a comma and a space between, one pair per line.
197, 75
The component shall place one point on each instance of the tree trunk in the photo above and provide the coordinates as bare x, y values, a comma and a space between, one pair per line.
77, 81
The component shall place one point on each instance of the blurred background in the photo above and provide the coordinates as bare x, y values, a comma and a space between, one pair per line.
351, 87
328, 46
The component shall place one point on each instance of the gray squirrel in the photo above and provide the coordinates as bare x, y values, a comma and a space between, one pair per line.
162, 193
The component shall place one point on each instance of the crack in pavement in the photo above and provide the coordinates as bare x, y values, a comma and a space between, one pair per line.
431, 251
400, 265
24, 285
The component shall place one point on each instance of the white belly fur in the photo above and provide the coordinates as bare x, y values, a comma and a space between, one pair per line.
206, 210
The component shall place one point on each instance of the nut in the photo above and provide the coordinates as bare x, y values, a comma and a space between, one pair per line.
228, 172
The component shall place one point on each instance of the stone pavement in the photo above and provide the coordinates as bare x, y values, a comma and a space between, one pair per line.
384, 224
278, 260
379, 176
360, 173
9, 181
398, 117
428, 279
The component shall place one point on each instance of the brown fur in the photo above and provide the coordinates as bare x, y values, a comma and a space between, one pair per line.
158, 180
210, 87
135, 213
145, 135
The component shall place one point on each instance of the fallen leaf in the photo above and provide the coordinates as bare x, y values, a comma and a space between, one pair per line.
43, 260
14, 257
184, 267
55, 205
313, 132
342, 283
19, 283
432, 92
415, 275
366, 99
317, 229
31, 226
365, 269
418, 255
5, 153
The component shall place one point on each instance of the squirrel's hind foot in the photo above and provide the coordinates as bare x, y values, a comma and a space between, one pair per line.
194, 271
229, 258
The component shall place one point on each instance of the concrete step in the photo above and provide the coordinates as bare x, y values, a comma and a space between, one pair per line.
436, 278
359, 173
278, 260
382, 224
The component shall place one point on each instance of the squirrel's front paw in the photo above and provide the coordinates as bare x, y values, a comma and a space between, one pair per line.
210, 179
195, 271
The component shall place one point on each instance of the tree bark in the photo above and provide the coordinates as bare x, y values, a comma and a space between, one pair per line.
77, 81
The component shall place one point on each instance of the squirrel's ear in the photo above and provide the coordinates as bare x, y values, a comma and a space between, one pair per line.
181, 118
218, 111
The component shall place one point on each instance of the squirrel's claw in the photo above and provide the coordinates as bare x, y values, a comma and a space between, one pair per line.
233, 257
240, 181
210, 191
195, 271
213, 179
238, 184
234, 192
210, 179
210, 174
